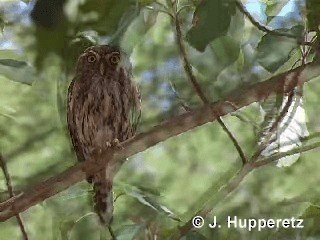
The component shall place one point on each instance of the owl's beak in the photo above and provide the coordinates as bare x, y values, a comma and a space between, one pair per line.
102, 68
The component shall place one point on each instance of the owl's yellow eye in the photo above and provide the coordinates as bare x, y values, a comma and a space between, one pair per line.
115, 58
91, 58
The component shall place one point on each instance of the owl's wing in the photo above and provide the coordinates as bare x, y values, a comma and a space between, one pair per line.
72, 123
135, 109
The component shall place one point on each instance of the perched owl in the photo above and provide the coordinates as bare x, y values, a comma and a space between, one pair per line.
104, 108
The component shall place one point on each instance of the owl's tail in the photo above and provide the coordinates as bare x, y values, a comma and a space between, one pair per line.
103, 196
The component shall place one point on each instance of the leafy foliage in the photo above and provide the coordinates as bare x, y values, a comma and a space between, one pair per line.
274, 51
312, 7
211, 20
14, 68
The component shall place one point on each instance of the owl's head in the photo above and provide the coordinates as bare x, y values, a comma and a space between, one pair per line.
104, 60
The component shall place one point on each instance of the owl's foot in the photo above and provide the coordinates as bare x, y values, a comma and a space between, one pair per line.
116, 144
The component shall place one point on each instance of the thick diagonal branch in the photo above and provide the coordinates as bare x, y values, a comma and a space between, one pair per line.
280, 84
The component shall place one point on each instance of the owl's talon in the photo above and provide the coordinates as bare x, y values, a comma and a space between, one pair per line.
116, 144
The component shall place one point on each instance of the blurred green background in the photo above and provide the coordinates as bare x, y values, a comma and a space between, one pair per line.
167, 182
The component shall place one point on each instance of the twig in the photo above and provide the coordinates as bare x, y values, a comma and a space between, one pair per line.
183, 8
303, 140
11, 194
265, 28
234, 141
161, 5
159, 10
182, 102
279, 84
247, 120
276, 156
186, 64
113, 236
188, 69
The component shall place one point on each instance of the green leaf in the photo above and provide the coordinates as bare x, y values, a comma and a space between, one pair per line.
7, 116
211, 20
51, 29
313, 211
138, 29
2, 24
274, 7
108, 18
13, 63
226, 51
66, 226
76, 46
48, 14
126, 20
274, 51
65, 229
149, 201
13, 67
49, 41
313, 17
108, 14
146, 2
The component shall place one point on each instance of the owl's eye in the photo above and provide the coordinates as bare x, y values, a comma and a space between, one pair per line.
115, 58
91, 58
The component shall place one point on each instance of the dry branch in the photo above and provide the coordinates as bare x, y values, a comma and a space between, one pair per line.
281, 84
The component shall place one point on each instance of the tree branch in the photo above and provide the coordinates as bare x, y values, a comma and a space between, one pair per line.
11, 194
276, 156
280, 84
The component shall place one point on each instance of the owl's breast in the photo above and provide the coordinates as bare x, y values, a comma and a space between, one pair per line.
103, 114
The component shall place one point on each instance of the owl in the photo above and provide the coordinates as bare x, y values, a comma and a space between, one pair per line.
104, 108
